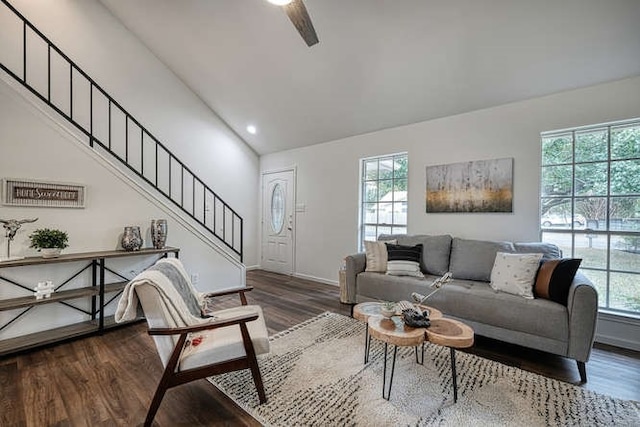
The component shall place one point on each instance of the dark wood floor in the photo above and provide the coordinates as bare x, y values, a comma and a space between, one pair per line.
109, 380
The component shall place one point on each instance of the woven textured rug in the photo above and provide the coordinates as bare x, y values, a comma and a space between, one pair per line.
315, 376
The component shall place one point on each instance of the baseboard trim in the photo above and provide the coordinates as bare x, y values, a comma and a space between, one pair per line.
252, 267
316, 279
618, 331
618, 342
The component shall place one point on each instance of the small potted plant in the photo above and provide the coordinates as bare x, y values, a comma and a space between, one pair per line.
49, 242
388, 309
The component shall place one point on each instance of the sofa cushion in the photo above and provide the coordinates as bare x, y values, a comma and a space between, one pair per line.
404, 260
389, 288
376, 253
473, 259
476, 301
548, 250
515, 273
435, 250
554, 279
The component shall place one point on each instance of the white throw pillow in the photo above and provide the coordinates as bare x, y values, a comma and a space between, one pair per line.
404, 268
376, 253
515, 273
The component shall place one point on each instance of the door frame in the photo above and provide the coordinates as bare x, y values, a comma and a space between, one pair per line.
294, 186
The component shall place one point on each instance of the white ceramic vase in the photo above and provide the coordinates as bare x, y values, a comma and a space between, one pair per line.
50, 252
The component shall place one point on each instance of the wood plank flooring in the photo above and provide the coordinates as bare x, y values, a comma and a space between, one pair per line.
109, 380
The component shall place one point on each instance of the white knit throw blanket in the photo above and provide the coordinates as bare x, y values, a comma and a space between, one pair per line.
171, 299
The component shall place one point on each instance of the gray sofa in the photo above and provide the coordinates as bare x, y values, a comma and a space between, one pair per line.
536, 323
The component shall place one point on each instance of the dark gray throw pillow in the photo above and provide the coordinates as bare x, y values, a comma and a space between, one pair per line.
404, 260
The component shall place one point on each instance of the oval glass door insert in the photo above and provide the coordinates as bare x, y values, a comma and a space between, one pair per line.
277, 208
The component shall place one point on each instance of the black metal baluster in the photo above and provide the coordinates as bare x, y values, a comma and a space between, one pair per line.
157, 165
91, 115
204, 205
142, 151
71, 91
224, 222
126, 138
109, 124
214, 213
49, 72
170, 189
24, 51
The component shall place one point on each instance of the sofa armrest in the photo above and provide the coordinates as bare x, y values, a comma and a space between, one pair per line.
582, 305
354, 264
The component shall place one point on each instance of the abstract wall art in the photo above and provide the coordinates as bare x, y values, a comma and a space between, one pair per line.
476, 186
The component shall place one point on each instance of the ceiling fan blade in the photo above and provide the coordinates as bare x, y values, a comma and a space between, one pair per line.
297, 13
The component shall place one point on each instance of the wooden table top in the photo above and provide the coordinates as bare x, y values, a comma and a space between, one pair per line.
364, 310
449, 333
394, 331
443, 331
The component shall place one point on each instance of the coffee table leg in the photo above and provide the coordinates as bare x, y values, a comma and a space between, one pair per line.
367, 344
419, 361
384, 377
453, 374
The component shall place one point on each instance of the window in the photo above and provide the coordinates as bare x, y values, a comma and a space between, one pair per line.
590, 206
383, 196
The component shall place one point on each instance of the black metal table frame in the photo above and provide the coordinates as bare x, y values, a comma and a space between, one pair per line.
367, 348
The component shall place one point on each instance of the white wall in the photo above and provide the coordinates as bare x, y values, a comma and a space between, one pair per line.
328, 173
132, 75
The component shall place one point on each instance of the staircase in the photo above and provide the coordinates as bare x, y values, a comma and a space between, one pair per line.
111, 130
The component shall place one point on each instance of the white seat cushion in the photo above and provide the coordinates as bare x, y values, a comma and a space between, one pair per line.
223, 344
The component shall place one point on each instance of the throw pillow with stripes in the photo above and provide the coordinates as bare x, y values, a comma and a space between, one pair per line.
404, 260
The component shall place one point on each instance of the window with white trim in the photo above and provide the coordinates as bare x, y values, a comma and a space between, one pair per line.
590, 206
383, 196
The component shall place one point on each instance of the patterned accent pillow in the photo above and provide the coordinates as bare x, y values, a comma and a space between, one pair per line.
515, 273
376, 253
404, 260
555, 278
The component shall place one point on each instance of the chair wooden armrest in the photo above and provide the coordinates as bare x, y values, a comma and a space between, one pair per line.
204, 326
230, 291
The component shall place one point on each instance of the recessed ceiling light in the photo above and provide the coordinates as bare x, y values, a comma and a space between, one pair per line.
252, 129
280, 2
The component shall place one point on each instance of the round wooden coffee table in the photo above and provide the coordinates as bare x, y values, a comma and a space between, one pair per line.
365, 310
453, 334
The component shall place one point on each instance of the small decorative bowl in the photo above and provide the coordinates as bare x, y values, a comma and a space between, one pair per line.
387, 311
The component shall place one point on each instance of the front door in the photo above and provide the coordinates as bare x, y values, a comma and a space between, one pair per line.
278, 221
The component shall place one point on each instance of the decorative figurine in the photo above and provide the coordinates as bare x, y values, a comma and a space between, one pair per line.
12, 226
43, 290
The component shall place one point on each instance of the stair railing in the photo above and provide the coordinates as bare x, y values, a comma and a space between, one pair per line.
125, 138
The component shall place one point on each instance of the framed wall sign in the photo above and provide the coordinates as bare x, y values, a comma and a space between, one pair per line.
477, 186
24, 192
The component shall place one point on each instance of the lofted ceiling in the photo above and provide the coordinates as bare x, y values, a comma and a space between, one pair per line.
380, 63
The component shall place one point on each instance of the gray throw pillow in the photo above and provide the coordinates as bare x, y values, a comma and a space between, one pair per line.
473, 259
548, 250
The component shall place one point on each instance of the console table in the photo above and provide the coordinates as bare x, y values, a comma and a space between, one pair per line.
96, 290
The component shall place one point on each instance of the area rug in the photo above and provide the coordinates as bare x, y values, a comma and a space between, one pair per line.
315, 376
